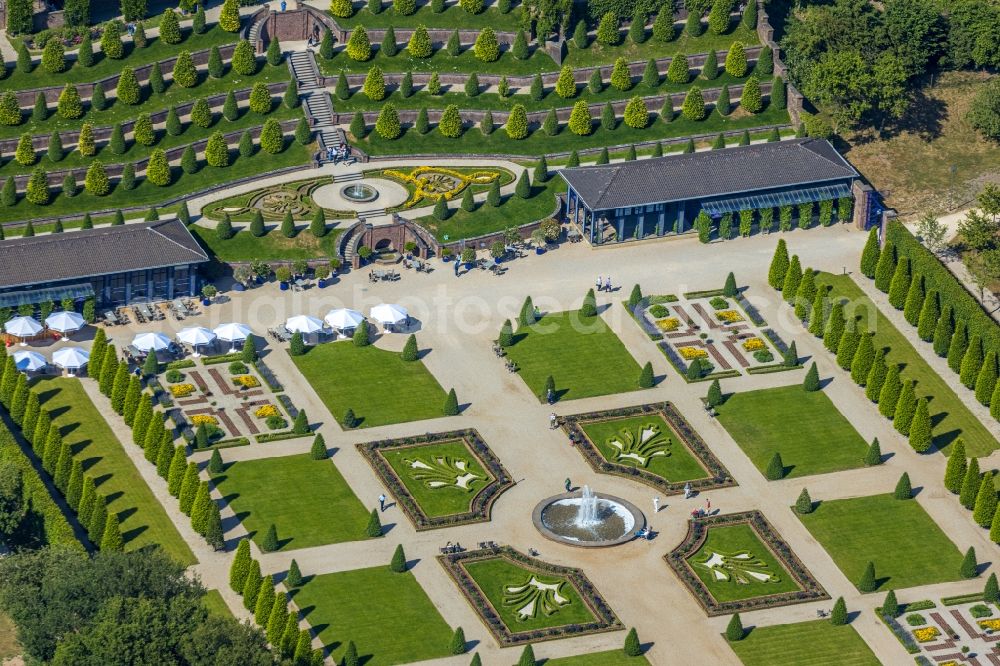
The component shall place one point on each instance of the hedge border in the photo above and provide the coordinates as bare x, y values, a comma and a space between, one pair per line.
480, 506
604, 618
677, 559
718, 475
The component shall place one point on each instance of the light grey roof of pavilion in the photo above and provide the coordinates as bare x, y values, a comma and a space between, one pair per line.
708, 174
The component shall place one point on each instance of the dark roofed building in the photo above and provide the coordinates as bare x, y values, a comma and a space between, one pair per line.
143, 261
663, 195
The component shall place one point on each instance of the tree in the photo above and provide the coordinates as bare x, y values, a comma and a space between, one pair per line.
954, 472
868, 583
451, 404
920, 428
679, 71
834, 327
874, 454
621, 77
527, 656
736, 60
970, 485
486, 47
984, 112
374, 527
838, 616
811, 382
398, 563
636, 114
906, 407
270, 542
54, 57
37, 190
607, 30
734, 630
419, 45
972, 361
864, 358
775, 468
969, 567
957, 347
904, 490
804, 503
986, 501
779, 266
718, 17
944, 328
98, 518
693, 107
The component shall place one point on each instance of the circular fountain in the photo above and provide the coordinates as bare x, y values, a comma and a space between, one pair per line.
359, 192
586, 520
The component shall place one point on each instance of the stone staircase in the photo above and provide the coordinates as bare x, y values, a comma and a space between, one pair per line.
346, 177
304, 70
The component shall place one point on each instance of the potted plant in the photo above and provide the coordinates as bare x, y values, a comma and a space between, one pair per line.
446, 254
335, 265
468, 256
409, 247
365, 253
284, 276
300, 267
538, 240
261, 270
498, 250
322, 272
208, 292
242, 275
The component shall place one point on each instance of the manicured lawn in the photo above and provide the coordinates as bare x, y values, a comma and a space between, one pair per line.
144, 521
494, 575
537, 142
308, 500
387, 615
377, 384
906, 545
244, 246
680, 465
151, 102
147, 194
135, 58
215, 605
730, 540
444, 497
493, 101
583, 355
806, 428
816, 643
609, 658
485, 219
950, 416
452, 17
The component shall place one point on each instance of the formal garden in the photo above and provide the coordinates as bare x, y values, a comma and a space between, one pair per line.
306, 499
572, 354
440, 479
652, 444
522, 599
736, 562
881, 542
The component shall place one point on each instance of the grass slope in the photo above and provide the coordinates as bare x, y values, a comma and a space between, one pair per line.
377, 384
143, 519
308, 500
244, 246
906, 545
387, 615
808, 430
816, 643
950, 416
583, 355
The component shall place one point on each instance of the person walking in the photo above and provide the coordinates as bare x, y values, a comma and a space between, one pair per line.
569, 486
656, 504
607, 284
599, 283
381, 502
553, 421
456, 267
687, 491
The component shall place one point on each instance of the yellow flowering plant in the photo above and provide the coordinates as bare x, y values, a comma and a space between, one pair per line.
993, 624
729, 316
754, 344
204, 419
926, 634
434, 189
669, 324
691, 353
266, 411
246, 381
181, 390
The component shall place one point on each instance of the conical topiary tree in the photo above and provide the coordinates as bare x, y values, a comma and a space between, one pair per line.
270, 542
804, 503
714, 397
251, 585
775, 468
890, 607
294, 576
793, 276
318, 449
838, 616
646, 376
398, 562
811, 381
954, 472
900, 285
873, 456
904, 490
914, 300
969, 567
374, 527
864, 357
457, 645
970, 485
527, 656
834, 327
410, 349
943, 330
870, 255
734, 630
906, 408
451, 404
867, 583
920, 428
957, 346
991, 592
986, 501
888, 397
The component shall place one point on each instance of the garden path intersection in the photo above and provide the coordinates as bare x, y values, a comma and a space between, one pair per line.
456, 319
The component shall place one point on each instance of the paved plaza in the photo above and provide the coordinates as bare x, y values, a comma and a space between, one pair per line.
458, 318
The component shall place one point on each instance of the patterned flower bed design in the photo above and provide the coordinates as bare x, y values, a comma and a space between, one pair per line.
433, 183
440, 479
267, 411
926, 634
246, 381
749, 577
181, 390
204, 419
652, 444
522, 599
691, 353
668, 325
729, 316
274, 202
952, 629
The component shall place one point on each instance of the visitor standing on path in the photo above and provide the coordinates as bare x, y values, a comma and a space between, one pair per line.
553, 421
569, 485
599, 283
687, 491
381, 502
656, 504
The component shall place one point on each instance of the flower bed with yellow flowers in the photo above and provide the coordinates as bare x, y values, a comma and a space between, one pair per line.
729, 316
246, 381
266, 411
754, 344
204, 419
434, 183
926, 634
691, 353
668, 325
181, 390
992, 625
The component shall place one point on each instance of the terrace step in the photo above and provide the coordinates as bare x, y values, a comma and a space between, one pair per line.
304, 70
372, 212
347, 177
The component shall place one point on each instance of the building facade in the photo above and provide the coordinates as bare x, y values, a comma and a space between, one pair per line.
640, 199
114, 265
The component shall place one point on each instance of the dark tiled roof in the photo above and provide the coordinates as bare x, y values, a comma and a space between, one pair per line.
89, 252
707, 174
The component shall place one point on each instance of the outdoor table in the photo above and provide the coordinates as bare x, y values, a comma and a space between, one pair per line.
145, 311
110, 317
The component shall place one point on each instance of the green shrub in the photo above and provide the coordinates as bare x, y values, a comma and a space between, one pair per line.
54, 57
621, 77
158, 169
260, 98
419, 45
486, 47
694, 104
734, 630
607, 30
679, 70
244, 61
374, 86
450, 124
271, 138
96, 182
517, 122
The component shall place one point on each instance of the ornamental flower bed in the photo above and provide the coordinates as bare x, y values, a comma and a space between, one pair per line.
691, 353
447, 185
669, 324
181, 390
267, 411
754, 345
729, 316
605, 618
719, 476
481, 504
204, 419
990, 625
246, 381
677, 559
926, 634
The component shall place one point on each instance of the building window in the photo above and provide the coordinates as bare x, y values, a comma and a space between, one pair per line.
137, 280
161, 283
116, 284
182, 281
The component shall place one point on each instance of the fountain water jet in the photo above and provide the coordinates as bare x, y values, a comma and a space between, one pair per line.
587, 520
586, 515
